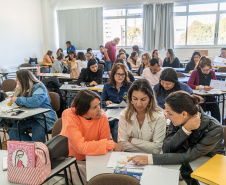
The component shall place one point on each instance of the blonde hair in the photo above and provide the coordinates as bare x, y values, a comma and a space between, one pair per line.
148, 56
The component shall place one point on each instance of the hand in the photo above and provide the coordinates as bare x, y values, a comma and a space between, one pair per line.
193, 123
207, 88
118, 147
130, 139
93, 83
139, 159
135, 74
108, 59
109, 102
13, 99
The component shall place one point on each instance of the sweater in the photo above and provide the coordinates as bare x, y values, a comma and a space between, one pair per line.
194, 78
152, 78
86, 137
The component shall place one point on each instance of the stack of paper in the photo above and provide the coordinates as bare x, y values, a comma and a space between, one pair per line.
219, 61
122, 105
6, 105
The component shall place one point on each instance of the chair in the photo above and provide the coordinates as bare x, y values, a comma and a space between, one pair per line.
57, 127
224, 136
203, 52
100, 66
25, 65
221, 69
113, 179
54, 101
8, 85
181, 75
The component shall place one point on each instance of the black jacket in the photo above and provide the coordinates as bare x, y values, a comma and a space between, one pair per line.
86, 76
190, 66
179, 148
174, 64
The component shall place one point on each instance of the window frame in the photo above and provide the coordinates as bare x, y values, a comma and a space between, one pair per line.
125, 17
218, 12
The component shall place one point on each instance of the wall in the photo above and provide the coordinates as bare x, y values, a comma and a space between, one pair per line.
21, 33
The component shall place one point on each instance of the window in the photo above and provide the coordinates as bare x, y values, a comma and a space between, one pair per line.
200, 24
127, 24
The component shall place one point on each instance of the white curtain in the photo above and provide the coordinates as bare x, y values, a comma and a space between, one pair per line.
83, 27
164, 28
158, 28
148, 27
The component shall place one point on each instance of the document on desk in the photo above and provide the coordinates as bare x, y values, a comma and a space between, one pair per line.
219, 61
159, 175
123, 104
4, 163
217, 84
6, 105
64, 75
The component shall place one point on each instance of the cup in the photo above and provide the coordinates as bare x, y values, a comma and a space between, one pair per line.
201, 88
65, 84
82, 84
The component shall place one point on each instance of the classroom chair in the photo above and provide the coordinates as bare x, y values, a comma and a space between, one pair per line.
25, 65
8, 85
57, 127
181, 75
100, 66
54, 101
113, 179
221, 69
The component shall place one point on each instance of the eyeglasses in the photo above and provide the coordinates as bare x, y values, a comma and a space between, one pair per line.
120, 74
144, 58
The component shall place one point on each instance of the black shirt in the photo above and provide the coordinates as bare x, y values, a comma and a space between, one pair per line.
204, 79
87, 76
174, 64
190, 66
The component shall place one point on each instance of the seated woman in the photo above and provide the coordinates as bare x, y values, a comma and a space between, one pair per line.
60, 50
121, 50
171, 60
47, 60
191, 134
115, 91
70, 61
86, 127
81, 60
168, 83
155, 54
59, 66
142, 125
130, 75
31, 93
194, 61
202, 76
134, 60
145, 64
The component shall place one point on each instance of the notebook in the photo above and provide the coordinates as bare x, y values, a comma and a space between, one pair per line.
212, 172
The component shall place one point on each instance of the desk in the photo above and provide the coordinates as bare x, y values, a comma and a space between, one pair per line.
179, 69
220, 75
73, 88
29, 68
114, 113
183, 79
184, 63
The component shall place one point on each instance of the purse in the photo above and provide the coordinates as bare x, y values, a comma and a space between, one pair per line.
4, 141
75, 71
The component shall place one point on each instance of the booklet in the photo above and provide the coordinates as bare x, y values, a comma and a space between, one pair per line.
123, 104
217, 84
219, 61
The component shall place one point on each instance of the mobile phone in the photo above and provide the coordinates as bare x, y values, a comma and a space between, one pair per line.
17, 113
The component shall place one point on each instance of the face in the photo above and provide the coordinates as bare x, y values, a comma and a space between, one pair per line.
123, 56
196, 58
223, 53
101, 49
18, 82
60, 51
88, 57
177, 119
68, 46
71, 55
154, 69
94, 111
140, 101
144, 60
167, 85
167, 54
156, 54
206, 69
136, 57
119, 76
94, 68
115, 42
134, 50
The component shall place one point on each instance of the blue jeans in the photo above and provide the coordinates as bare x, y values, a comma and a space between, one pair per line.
71, 100
114, 129
38, 131
108, 65
45, 70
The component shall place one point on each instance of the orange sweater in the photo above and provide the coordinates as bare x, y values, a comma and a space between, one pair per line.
86, 137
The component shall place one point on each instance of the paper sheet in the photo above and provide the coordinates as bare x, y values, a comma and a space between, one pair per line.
217, 84
219, 61
64, 75
122, 104
159, 175
114, 113
6, 106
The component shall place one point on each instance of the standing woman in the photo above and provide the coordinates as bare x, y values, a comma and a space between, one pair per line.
47, 60
196, 56
31, 93
202, 76
59, 66
171, 60
115, 91
169, 83
145, 64
155, 54
91, 75
142, 125
134, 60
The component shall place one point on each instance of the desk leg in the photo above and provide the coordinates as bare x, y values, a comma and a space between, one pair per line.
47, 137
66, 177
76, 166
223, 109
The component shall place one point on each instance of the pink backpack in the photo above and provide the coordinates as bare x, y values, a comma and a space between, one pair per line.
28, 163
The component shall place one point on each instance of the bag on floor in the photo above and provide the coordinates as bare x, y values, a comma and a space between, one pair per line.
28, 163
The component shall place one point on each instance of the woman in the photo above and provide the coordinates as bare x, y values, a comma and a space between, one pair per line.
70, 61
47, 60
92, 76
169, 83
191, 134
142, 125
59, 66
194, 61
81, 60
171, 60
123, 56
135, 48
134, 60
155, 54
87, 129
31, 93
60, 50
145, 64
202, 76
122, 51
115, 91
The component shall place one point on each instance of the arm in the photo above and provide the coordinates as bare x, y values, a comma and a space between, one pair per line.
79, 143
160, 61
106, 51
159, 133
104, 96
191, 81
123, 136
99, 76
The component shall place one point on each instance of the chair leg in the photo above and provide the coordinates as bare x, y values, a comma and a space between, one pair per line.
66, 177
76, 166
70, 175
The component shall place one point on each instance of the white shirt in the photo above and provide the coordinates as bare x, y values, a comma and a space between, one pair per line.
152, 78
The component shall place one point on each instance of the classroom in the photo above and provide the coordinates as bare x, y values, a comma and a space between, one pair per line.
113, 92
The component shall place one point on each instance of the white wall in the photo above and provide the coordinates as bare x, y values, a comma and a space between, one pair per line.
21, 32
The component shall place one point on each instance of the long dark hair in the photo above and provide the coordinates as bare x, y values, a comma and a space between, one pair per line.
81, 56
71, 52
192, 58
172, 56
170, 75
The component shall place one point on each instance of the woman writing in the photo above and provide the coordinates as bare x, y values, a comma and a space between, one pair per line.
142, 124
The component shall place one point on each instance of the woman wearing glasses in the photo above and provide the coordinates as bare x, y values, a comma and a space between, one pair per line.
115, 91
202, 76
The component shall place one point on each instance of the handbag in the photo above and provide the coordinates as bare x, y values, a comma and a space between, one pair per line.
75, 71
4, 141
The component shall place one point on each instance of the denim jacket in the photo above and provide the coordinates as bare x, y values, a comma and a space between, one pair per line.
39, 99
110, 93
